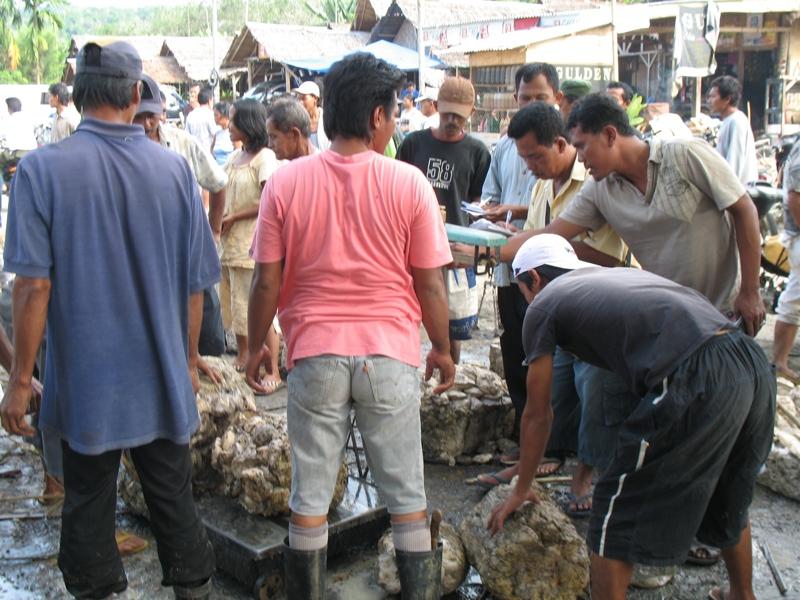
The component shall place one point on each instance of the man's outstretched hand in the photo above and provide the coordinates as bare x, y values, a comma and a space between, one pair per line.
447, 370
505, 508
253, 369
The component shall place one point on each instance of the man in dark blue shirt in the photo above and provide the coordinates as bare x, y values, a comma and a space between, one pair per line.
112, 249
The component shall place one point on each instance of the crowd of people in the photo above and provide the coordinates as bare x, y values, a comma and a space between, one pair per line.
628, 295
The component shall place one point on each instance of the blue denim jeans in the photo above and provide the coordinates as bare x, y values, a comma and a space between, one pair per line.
589, 405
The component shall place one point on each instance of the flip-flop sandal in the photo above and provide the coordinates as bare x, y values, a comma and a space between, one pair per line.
794, 379
578, 513
484, 480
272, 386
559, 462
718, 593
711, 558
510, 458
128, 543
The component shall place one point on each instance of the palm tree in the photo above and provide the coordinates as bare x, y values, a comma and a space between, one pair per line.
40, 16
10, 19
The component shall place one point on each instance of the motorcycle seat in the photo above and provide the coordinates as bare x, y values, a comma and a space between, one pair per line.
764, 196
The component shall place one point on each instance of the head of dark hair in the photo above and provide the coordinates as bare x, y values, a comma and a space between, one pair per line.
729, 88
223, 108
205, 95
93, 91
627, 91
594, 112
354, 87
287, 112
547, 272
61, 92
13, 104
540, 119
527, 72
250, 117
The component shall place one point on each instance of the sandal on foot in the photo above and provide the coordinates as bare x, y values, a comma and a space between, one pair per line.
718, 593
790, 376
271, 385
702, 555
509, 457
576, 501
128, 543
491, 480
556, 463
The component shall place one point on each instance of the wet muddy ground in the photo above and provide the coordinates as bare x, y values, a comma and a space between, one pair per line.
29, 541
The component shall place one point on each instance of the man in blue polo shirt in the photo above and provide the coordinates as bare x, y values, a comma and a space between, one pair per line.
112, 249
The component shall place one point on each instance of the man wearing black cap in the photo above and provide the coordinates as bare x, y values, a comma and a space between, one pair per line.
207, 172
111, 247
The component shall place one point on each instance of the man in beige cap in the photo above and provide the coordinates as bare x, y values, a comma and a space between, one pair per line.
456, 165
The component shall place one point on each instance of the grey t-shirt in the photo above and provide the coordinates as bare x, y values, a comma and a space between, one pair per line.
634, 323
738, 146
791, 183
679, 228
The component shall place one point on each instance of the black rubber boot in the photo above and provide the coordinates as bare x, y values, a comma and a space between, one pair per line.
304, 573
420, 574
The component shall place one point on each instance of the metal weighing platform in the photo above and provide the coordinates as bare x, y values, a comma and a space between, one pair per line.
479, 238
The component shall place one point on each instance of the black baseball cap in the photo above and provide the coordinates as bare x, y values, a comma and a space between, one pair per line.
117, 59
151, 97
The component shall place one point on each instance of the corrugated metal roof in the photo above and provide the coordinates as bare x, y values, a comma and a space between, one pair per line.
443, 13
529, 37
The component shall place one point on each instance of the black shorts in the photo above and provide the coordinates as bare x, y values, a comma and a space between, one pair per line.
687, 457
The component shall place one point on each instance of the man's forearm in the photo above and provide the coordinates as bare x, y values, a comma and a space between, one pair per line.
537, 418
589, 254
216, 210
435, 317
262, 306
195, 323
250, 213
748, 242
534, 433
30, 299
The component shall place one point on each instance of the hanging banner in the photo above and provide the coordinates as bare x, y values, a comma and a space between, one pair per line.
696, 35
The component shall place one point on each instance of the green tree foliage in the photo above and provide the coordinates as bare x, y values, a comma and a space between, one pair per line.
41, 19
33, 47
331, 11
190, 19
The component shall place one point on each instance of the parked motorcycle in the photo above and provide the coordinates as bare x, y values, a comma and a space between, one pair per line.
774, 256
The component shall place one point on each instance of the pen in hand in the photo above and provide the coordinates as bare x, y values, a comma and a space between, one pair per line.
508, 219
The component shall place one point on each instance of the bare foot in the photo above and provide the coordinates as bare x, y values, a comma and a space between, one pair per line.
240, 364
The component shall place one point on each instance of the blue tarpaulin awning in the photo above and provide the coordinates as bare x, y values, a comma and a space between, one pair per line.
401, 57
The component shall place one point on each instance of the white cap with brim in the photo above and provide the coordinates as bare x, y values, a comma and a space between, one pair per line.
547, 249
307, 88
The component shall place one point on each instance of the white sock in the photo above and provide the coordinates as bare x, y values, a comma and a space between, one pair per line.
308, 538
413, 536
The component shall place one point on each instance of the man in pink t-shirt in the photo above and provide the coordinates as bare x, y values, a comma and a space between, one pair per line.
349, 248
